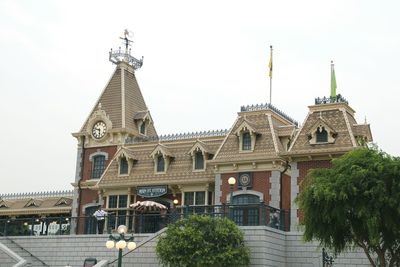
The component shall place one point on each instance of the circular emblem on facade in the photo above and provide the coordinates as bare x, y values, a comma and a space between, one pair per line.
99, 129
244, 179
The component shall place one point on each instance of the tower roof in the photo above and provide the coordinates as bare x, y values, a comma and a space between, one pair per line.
121, 100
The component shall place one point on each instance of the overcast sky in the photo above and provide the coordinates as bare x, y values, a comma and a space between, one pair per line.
202, 61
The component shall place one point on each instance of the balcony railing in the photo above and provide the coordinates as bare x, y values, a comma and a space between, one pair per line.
242, 215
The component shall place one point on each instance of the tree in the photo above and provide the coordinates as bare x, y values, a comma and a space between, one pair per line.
355, 203
203, 241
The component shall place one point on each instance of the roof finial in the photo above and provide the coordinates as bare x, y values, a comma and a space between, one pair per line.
119, 56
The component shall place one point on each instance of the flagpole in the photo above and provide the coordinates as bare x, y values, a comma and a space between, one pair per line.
270, 76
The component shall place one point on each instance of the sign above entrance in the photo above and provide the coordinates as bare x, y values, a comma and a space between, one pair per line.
152, 191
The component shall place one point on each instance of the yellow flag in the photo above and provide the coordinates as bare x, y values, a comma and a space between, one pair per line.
270, 64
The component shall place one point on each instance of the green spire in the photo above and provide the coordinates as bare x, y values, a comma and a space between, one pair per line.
333, 81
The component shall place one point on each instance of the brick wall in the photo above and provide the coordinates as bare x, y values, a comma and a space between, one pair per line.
87, 165
261, 183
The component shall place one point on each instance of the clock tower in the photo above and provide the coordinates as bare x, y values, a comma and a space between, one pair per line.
119, 114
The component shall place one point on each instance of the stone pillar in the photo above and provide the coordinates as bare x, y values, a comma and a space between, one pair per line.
217, 190
294, 189
75, 206
275, 189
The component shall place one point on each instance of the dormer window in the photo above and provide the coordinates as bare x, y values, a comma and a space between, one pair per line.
321, 135
247, 136
160, 164
198, 161
200, 152
246, 141
142, 120
123, 166
162, 158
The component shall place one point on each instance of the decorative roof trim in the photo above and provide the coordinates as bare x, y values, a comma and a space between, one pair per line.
245, 125
199, 145
33, 202
349, 128
46, 194
268, 106
161, 149
273, 133
180, 136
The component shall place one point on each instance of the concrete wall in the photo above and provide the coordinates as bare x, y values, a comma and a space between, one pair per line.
269, 247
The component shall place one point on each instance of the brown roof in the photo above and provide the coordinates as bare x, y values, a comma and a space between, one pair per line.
363, 130
264, 146
112, 101
335, 118
285, 130
180, 169
49, 205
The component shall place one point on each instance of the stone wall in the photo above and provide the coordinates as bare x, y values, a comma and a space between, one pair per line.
269, 247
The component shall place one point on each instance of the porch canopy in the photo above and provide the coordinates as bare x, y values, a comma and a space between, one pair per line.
148, 206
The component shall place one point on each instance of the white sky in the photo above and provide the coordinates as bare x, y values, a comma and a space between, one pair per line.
202, 61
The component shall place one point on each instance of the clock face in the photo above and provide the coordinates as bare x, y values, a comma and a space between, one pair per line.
99, 129
245, 179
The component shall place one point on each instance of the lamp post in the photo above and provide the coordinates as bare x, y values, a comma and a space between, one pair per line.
231, 182
120, 242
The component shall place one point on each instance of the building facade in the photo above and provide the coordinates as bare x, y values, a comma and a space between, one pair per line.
121, 159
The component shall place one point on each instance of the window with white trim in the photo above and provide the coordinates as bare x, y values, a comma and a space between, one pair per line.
123, 166
99, 164
198, 160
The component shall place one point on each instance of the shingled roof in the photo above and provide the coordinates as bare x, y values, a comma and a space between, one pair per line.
122, 101
180, 171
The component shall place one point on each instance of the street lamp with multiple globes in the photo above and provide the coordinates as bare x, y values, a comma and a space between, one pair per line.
120, 242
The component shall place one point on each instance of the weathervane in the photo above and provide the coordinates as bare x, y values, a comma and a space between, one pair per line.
118, 56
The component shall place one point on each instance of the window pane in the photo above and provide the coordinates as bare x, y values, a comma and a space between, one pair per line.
189, 198
160, 164
322, 135
122, 201
200, 198
210, 195
143, 128
198, 161
112, 202
123, 167
99, 163
246, 142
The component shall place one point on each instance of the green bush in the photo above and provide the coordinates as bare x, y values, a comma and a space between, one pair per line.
203, 241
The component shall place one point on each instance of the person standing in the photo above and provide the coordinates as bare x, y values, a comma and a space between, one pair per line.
100, 215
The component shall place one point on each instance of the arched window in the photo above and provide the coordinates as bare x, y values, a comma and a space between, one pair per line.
321, 135
123, 166
99, 164
198, 161
247, 214
246, 143
160, 164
